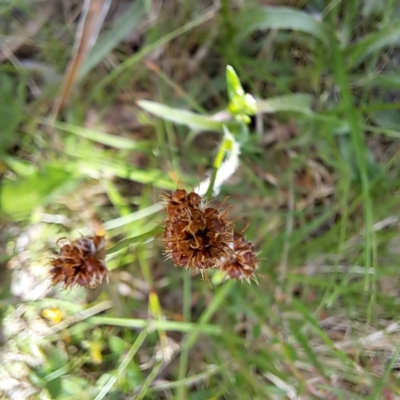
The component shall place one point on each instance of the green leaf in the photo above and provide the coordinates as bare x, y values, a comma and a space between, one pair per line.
293, 102
192, 120
102, 137
19, 198
10, 113
105, 166
105, 44
281, 18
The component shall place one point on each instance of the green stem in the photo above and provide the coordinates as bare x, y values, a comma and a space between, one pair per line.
149, 380
128, 358
220, 296
175, 326
217, 163
183, 360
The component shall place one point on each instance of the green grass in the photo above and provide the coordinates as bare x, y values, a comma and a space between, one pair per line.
317, 184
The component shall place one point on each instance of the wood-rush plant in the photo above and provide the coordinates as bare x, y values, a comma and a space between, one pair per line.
198, 236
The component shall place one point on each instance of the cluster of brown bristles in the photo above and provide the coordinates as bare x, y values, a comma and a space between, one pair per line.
80, 262
199, 237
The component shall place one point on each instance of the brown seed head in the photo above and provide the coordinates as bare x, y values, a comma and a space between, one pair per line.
243, 263
195, 237
81, 262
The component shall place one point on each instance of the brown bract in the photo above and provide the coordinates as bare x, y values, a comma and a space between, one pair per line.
243, 262
81, 262
196, 237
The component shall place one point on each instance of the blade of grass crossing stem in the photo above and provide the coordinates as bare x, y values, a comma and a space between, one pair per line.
135, 216
183, 360
353, 119
128, 358
131, 61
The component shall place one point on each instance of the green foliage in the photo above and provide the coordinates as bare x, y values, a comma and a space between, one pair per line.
282, 18
20, 198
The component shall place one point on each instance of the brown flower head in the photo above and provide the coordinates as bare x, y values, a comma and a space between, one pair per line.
195, 237
243, 263
179, 202
81, 262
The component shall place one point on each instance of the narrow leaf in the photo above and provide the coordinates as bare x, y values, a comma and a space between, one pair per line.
102, 137
294, 102
281, 18
194, 121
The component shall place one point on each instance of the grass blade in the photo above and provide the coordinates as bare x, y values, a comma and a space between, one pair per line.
195, 328
294, 102
281, 18
101, 137
353, 119
192, 120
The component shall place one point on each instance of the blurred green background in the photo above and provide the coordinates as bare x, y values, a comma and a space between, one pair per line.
317, 186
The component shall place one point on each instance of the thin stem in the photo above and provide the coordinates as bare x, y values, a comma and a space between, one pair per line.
217, 163
175, 326
149, 380
220, 296
128, 358
183, 360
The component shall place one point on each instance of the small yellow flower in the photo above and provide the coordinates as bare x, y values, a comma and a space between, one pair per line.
53, 314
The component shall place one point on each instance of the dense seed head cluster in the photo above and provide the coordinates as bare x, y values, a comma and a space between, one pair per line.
243, 261
199, 237
81, 262
196, 237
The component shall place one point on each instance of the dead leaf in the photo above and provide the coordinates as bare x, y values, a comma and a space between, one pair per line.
91, 21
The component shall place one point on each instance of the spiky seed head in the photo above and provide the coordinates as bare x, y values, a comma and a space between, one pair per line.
81, 262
